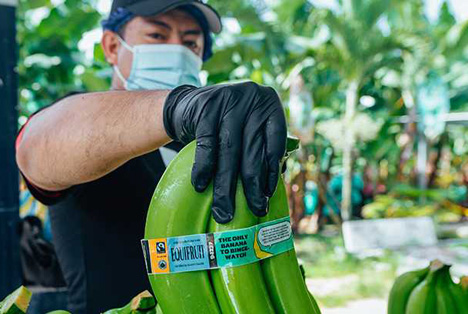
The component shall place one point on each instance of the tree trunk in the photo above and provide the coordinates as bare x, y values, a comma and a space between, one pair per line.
351, 102
421, 162
434, 161
410, 130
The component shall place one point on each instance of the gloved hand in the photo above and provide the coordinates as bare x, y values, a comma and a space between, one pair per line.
239, 128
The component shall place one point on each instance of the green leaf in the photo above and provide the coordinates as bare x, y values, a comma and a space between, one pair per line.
34, 4
98, 54
93, 83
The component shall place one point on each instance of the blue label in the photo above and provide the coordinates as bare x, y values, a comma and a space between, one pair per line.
188, 253
220, 249
235, 246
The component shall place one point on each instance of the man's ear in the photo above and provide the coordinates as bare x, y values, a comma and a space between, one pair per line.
110, 45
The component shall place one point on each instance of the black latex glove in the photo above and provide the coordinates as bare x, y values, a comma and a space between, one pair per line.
239, 128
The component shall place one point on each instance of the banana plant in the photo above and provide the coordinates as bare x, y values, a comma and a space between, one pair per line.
429, 47
357, 48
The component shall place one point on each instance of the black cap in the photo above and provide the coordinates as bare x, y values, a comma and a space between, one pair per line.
152, 7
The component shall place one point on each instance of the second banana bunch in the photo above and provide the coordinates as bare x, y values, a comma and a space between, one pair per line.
429, 291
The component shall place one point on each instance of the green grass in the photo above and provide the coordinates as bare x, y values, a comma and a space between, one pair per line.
325, 257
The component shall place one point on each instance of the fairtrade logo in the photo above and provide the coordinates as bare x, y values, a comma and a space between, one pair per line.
160, 247
162, 264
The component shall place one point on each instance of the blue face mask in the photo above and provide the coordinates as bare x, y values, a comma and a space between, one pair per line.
161, 66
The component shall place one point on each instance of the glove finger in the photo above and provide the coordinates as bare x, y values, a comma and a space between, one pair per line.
253, 164
275, 143
204, 163
225, 180
254, 168
205, 152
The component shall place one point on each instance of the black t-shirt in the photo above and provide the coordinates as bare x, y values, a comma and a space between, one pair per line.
97, 228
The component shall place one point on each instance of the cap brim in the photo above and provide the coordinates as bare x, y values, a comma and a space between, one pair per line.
150, 7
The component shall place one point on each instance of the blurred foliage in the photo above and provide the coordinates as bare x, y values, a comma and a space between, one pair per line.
390, 45
50, 62
404, 201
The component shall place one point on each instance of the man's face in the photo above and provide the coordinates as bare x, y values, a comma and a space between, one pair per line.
175, 27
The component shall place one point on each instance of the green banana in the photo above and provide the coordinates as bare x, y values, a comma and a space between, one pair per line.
240, 289
446, 302
143, 303
314, 304
422, 299
464, 286
158, 309
401, 290
176, 209
17, 302
312, 299
282, 274
461, 298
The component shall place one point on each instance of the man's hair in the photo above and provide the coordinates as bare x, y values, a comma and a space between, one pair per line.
117, 20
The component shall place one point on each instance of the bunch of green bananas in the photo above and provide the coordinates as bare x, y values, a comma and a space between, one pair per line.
17, 302
273, 285
428, 291
143, 303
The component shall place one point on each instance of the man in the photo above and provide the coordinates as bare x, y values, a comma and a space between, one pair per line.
94, 157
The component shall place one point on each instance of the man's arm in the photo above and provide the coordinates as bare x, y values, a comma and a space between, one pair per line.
82, 138
240, 129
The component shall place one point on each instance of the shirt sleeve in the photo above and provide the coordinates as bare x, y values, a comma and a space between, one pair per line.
43, 196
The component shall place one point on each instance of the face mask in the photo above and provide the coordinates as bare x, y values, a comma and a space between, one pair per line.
161, 66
